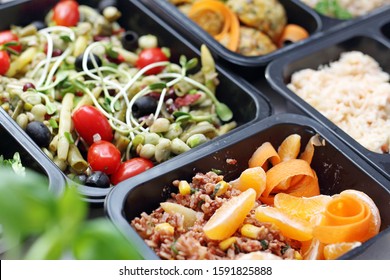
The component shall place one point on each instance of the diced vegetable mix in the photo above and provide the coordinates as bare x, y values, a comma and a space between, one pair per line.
81, 81
274, 210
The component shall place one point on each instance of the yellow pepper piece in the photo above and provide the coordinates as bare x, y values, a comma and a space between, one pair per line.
184, 187
222, 188
250, 231
225, 244
164, 227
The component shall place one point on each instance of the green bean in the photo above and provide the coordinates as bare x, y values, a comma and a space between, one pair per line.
48, 153
62, 165
178, 146
39, 111
22, 120
174, 131
160, 125
64, 126
121, 142
151, 138
196, 139
163, 150
147, 41
76, 160
19, 63
201, 128
147, 151
86, 99
28, 30
111, 13
139, 140
80, 45
226, 127
18, 109
208, 68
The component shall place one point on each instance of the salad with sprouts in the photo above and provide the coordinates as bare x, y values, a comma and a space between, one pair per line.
102, 102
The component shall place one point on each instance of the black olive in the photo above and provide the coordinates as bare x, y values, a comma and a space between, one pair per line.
130, 40
80, 179
39, 24
106, 3
79, 62
39, 133
144, 105
98, 179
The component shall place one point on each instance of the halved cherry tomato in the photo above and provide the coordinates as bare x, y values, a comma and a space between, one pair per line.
88, 121
104, 156
8, 36
130, 168
66, 13
149, 56
5, 62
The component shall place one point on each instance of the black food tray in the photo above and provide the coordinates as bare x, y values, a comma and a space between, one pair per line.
337, 168
247, 103
297, 12
368, 36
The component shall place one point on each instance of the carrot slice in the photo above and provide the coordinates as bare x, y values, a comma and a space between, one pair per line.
231, 27
292, 33
262, 154
305, 187
349, 217
285, 170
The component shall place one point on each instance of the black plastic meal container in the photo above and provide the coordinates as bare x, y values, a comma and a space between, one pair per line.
331, 22
247, 103
337, 168
297, 13
366, 37
12, 140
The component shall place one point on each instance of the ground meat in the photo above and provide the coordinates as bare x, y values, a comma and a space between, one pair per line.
191, 243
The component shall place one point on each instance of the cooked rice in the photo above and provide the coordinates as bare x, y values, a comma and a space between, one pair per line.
355, 7
192, 243
353, 93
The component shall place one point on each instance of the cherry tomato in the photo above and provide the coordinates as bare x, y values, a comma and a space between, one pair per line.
9, 37
66, 13
88, 121
104, 156
149, 56
130, 168
5, 62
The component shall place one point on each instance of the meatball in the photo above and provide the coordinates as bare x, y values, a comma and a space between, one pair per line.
267, 16
212, 22
254, 42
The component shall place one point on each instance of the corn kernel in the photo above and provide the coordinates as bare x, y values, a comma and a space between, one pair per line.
297, 256
250, 231
166, 227
184, 187
225, 244
222, 188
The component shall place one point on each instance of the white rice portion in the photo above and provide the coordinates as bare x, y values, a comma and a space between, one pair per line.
354, 93
354, 7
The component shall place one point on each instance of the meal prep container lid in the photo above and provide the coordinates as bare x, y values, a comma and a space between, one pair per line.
139, 191
366, 36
